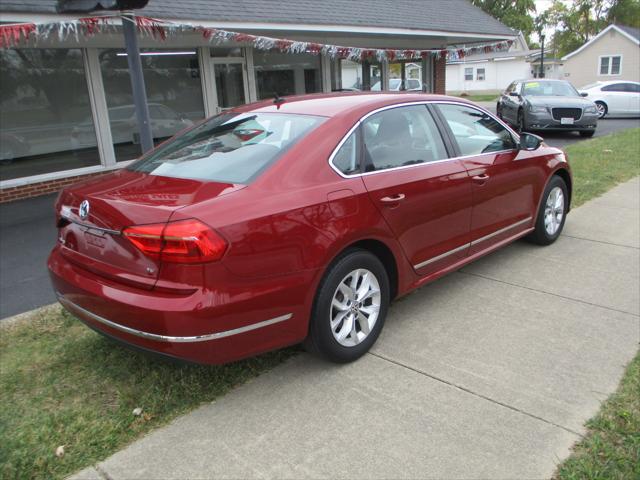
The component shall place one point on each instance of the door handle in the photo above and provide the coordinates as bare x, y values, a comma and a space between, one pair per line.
395, 199
483, 177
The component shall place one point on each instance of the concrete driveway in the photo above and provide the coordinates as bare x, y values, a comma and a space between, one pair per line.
490, 372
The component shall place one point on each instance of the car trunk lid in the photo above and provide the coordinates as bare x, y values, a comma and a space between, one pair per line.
92, 215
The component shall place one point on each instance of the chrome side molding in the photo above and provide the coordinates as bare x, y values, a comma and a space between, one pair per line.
73, 308
471, 244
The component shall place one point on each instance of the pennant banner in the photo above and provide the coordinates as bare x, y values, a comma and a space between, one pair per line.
18, 34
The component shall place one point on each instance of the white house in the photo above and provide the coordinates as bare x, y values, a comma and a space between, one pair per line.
613, 54
489, 72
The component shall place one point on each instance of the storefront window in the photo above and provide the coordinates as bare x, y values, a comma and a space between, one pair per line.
45, 114
286, 74
174, 93
360, 76
404, 76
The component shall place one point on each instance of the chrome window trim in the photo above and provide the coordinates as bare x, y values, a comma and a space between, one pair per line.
472, 243
69, 305
408, 104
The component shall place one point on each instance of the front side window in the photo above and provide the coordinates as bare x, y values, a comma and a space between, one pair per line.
480, 74
616, 87
476, 132
400, 137
229, 148
610, 65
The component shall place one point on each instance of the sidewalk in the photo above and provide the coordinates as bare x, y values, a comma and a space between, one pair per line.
489, 372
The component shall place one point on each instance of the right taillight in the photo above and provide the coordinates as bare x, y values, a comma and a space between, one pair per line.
184, 241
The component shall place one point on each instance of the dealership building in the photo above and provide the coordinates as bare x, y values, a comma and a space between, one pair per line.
66, 107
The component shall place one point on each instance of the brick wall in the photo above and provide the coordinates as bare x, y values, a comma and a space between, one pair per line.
41, 188
440, 67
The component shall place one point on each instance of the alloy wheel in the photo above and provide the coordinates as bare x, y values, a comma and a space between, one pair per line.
602, 109
355, 307
554, 211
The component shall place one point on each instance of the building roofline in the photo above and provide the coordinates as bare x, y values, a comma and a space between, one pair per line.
612, 26
277, 26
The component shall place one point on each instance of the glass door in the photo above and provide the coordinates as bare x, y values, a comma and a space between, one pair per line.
230, 82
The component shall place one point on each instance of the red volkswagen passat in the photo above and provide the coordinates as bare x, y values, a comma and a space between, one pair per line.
273, 224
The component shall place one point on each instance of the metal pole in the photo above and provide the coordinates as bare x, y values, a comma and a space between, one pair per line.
137, 81
542, 57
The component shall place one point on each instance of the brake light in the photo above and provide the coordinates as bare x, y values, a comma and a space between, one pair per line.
184, 241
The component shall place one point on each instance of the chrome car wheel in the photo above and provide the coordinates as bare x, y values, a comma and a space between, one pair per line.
355, 307
554, 211
601, 108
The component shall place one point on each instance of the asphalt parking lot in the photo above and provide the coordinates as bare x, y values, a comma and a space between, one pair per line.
562, 139
27, 233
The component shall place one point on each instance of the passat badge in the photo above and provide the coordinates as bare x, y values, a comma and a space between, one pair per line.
84, 209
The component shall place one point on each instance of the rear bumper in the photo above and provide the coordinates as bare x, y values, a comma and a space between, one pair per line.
240, 318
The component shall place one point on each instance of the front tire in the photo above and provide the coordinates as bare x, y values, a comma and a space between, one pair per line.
587, 134
552, 213
602, 109
350, 307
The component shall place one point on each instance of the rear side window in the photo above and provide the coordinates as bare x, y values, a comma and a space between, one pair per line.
229, 148
476, 132
400, 137
346, 158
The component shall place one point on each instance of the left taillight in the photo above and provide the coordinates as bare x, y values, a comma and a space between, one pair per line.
184, 241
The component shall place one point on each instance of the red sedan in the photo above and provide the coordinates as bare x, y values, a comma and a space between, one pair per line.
281, 222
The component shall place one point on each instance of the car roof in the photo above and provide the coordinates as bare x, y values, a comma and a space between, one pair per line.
339, 103
611, 82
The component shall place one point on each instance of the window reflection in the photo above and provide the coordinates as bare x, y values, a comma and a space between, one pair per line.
286, 74
174, 93
43, 98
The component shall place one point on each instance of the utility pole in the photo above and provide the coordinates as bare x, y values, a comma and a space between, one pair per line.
137, 81
542, 55
138, 90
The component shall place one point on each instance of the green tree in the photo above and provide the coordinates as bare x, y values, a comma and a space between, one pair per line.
625, 12
578, 22
517, 14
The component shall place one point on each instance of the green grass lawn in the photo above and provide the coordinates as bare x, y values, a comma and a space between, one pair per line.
481, 97
611, 448
63, 384
600, 163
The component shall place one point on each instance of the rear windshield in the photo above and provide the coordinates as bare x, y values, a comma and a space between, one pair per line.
229, 148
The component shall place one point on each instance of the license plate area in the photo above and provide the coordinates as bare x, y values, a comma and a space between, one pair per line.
566, 121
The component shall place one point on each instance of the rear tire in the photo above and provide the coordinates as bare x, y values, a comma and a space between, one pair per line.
350, 307
552, 213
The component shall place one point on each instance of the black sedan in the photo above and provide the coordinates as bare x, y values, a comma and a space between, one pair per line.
541, 104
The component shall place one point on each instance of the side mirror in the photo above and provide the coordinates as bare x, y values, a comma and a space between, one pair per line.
514, 94
530, 142
584, 94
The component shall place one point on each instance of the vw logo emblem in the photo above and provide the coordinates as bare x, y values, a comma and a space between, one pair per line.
84, 209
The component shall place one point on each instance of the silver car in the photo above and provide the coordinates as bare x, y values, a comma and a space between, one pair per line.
541, 104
